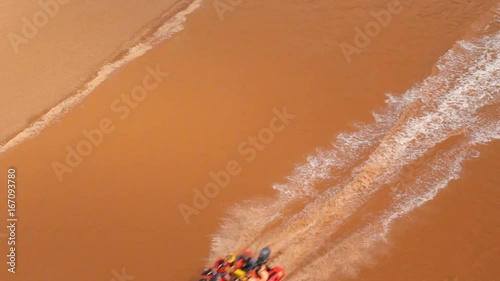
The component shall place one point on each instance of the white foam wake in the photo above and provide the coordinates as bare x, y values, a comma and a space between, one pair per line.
170, 27
326, 163
358, 249
454, 102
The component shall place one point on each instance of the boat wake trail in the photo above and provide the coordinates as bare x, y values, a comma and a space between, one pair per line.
455, 109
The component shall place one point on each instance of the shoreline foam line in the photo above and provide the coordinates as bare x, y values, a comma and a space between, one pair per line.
165, 31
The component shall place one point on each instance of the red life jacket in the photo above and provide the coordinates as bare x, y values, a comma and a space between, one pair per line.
221, 265
276, 274
247, 253
242, 260
239, 264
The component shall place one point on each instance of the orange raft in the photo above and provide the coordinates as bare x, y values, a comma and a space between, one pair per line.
244, 267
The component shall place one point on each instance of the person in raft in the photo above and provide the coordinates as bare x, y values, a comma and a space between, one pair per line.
239, 268
220, 271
